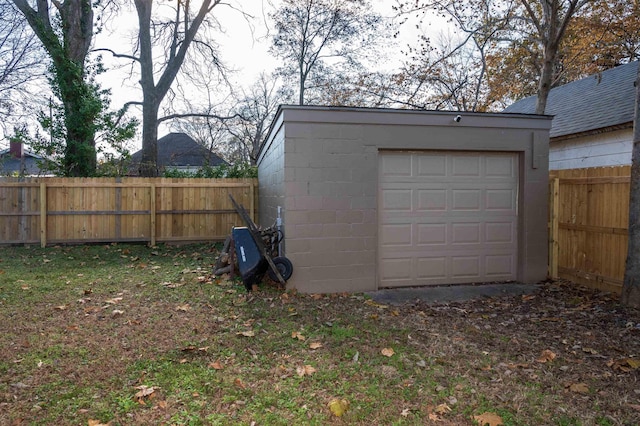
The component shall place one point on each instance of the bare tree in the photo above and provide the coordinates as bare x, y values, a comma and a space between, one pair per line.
255, 110
178, 33
312, 35
21, 66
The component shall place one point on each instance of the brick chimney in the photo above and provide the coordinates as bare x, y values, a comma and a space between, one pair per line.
16, 149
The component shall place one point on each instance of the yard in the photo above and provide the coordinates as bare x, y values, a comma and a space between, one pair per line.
127, 334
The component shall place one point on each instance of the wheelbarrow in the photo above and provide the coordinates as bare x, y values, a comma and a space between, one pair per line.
255, 249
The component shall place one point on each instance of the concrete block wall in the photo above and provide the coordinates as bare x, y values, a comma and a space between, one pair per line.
331, 220
271, 177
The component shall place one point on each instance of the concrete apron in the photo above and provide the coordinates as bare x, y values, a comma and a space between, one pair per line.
453, 293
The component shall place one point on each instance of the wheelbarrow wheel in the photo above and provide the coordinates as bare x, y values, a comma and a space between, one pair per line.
284, 266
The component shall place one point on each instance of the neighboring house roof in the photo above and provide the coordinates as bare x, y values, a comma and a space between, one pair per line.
180, 150
9, 164
600, 101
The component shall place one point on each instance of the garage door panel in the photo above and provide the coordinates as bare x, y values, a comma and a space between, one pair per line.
500, 199
465, 266
465, 233
431, 268
452, 218
397, 269
467, 165
431, 234
396, 199
500, 232
396, 165
466, 199
431, 199
499, 266
393, 235
500, 166
432, 166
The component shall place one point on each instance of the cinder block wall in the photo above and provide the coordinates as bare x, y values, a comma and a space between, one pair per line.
271, 175
330, 186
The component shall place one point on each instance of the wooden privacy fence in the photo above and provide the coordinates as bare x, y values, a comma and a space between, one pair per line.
82, 210
588, 228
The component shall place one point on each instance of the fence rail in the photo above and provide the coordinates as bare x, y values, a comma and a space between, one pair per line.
588, 225
83, 210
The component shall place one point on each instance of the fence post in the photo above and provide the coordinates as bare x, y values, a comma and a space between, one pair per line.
252, 206
43, 214
554, 204
153, 214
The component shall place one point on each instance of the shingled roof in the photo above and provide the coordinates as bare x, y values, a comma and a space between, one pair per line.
596, 102
180, 150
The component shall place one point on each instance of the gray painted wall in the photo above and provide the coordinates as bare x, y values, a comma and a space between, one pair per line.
321, 165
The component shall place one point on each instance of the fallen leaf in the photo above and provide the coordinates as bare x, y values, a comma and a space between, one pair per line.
195, 348
114, 300
434, 417
183, 308
338, 406
60, 307
305, 370
546, 356
297, 335
579, 388
315, 345
388, 352
248, 333
93, 422
442, 409
25, 287
216, 365
405, 412
491, 419
590, 351
162, 405
375, 305
239, 384
625, 365
145, 391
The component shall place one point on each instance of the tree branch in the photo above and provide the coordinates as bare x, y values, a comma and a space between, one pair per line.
117, 55
202, 115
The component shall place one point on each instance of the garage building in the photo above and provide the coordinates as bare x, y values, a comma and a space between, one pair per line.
376, 198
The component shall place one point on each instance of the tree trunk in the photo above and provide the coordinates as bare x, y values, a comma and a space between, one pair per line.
149, 161
631, 284
544, 85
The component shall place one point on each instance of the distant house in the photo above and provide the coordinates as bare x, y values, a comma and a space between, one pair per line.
15, 160
593, 119
178, 151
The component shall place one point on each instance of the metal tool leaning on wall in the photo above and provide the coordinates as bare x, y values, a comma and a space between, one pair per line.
257, 251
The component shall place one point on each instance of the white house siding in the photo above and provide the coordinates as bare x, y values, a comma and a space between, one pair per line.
605, 149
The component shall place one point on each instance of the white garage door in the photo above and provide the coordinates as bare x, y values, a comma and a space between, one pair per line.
447, 217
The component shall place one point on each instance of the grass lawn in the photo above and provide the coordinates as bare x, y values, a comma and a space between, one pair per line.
132, 335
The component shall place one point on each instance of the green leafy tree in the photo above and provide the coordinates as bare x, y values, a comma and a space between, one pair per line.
65, 30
